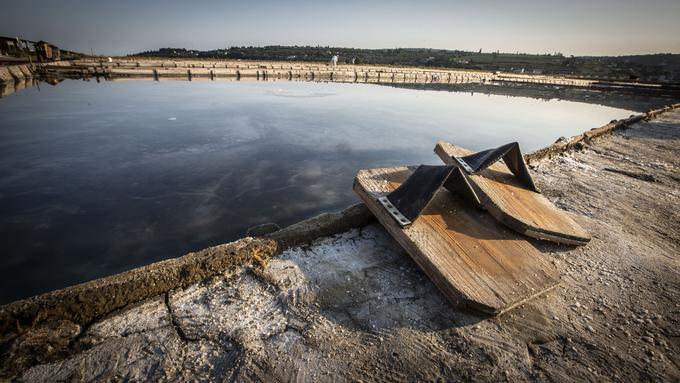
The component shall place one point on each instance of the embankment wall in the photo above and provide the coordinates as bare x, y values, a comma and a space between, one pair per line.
12, 73
577, 142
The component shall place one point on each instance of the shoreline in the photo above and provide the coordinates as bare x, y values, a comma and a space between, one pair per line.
196, 69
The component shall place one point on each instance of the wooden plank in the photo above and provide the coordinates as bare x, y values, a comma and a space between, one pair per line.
473, 259
525, 211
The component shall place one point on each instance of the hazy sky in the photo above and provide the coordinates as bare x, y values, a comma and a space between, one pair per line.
578, 27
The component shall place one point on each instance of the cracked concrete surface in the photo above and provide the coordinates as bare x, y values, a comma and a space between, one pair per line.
352, 295
353, 306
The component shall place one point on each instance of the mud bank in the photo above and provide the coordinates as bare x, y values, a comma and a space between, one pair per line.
335, 297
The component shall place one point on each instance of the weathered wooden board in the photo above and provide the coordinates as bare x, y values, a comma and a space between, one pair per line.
471, 257
525, 211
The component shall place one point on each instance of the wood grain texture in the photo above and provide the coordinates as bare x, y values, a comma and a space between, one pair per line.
471, 257
525, 211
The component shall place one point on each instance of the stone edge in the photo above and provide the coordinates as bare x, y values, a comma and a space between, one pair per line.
577, 142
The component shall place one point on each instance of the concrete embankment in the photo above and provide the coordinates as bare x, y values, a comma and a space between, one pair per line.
577, 142
267, 70
13, 73
352, 306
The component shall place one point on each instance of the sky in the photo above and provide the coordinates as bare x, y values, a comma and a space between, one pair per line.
571, 27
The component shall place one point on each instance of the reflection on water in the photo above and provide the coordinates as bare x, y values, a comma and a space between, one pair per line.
17, 86
98, 178
621, 98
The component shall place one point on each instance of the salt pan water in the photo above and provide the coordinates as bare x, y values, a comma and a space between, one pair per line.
97, 178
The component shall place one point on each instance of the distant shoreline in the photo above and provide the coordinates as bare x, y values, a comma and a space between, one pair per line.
194, 69
663, 67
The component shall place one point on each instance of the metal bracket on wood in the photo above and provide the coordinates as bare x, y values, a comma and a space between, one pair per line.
396, 214
464, 164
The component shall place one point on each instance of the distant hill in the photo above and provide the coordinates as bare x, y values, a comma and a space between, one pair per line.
654, 67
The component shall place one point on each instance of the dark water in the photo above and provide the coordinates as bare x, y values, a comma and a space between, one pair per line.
99, 178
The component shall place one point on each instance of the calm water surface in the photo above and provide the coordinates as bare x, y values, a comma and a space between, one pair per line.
97, 178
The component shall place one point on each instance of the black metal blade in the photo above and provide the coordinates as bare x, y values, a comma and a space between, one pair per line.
459, 184
413, 196
511, 155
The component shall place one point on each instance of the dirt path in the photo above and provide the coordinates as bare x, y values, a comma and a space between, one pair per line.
355, 307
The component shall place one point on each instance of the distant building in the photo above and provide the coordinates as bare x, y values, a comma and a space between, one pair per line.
46, 51
13, 46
